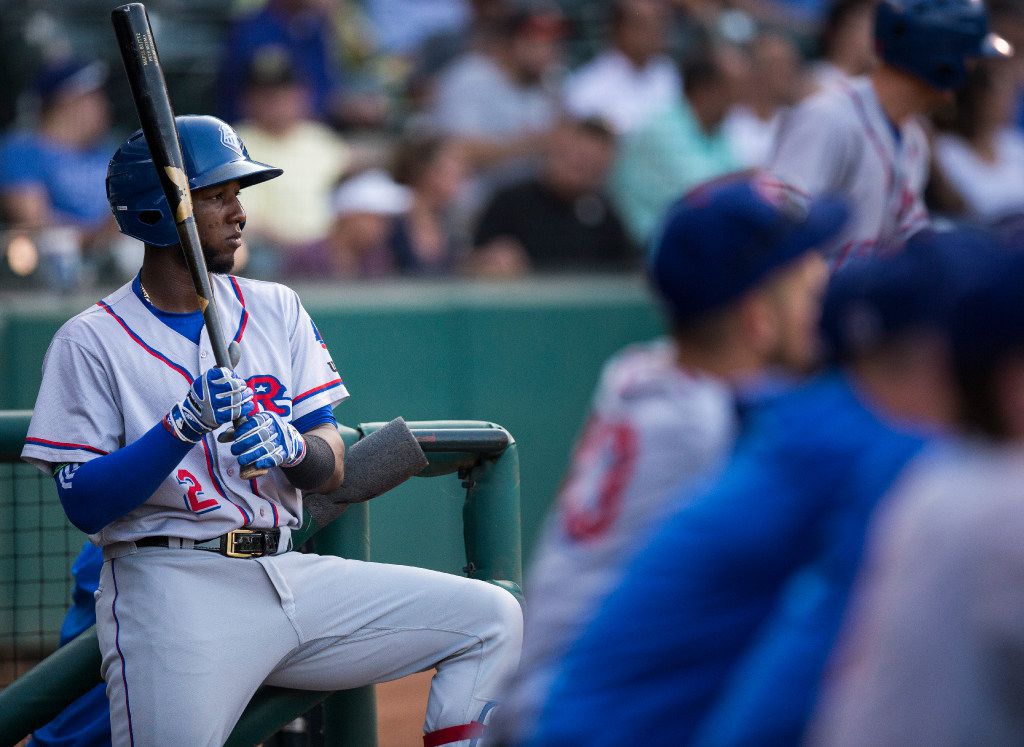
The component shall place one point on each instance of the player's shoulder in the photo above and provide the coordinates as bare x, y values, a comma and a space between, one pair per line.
832, 105
647, 370
94, 322
265, 293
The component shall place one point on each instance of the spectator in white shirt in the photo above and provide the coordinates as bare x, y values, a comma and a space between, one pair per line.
776, 82
633, 78
982, 157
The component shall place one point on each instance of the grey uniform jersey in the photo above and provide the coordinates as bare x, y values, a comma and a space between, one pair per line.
113, 371
653, 427
932, 649
840, 141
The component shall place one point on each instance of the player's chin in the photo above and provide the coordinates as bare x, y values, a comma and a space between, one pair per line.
220, 262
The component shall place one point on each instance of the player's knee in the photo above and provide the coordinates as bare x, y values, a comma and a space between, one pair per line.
502, 617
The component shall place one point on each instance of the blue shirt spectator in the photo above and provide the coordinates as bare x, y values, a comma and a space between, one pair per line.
300, 29
400, 26
54, 174
71, 178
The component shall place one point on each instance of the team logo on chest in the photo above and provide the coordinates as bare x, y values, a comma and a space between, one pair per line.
270, 394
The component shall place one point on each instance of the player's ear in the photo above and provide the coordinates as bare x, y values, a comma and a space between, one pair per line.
758, 320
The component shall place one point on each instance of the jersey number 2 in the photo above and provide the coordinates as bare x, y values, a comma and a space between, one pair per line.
194, 499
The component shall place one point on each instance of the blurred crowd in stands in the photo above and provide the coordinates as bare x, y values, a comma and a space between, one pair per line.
482, 138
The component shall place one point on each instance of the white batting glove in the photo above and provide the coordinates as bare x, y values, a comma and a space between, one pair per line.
215, 398
265, 441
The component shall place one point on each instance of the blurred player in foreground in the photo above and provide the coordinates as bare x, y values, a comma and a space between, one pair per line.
741, 285
932, 651
772, 690
804, 476
201, 600
863, 139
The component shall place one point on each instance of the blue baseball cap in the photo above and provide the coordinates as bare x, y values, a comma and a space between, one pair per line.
988, 320
873, 300
70, 76
726, 236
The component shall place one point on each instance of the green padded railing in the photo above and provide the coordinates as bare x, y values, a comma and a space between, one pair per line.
482, 455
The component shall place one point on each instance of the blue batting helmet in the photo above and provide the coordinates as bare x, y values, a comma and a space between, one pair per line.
934, 39
213, 154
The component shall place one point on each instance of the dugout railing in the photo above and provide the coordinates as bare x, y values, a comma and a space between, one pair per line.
481, 455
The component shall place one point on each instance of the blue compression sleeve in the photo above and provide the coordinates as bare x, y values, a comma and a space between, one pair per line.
311, 420
97, 492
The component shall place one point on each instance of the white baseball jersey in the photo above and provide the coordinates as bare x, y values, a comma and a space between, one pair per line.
112, 372
931, 651
187, 636
840, 141
653, 428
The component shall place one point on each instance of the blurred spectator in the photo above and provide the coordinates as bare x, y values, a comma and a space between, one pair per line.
293, 211
357, 246
561, 220
633, 78
504, 101
433, 167
847, 42
52, 176
776, 82
482, 34
402, 25
303, 30
983, 156
680, 146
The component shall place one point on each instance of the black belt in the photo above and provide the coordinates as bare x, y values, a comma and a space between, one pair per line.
238, 543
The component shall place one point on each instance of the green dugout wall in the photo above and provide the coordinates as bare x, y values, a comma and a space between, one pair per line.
524, 354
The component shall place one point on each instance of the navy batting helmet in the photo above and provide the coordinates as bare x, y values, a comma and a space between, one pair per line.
934, 39
213, 154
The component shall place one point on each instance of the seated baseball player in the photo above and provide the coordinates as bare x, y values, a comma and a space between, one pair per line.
930, 651
777, 534
201, 599
665, 412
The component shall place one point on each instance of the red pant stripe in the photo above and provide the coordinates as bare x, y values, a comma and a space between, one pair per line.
453, 734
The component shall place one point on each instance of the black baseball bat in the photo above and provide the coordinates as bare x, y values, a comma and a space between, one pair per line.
149, 91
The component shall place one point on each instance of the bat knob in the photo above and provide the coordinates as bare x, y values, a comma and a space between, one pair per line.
227, 435
250, 472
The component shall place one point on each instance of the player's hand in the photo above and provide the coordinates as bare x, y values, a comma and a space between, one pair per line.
215, 398
266, 441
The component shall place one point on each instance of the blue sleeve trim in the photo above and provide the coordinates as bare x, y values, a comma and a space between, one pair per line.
319, 416
99, 491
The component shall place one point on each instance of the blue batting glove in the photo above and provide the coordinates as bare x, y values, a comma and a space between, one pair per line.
215, 398
265, 441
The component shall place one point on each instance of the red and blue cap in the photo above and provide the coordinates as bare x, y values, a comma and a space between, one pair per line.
726, 236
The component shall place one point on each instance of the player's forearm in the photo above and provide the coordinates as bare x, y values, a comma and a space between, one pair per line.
323, 468
104, 489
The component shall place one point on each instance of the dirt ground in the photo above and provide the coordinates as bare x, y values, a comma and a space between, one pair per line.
401, 706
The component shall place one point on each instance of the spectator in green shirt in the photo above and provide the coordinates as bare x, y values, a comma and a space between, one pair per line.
682, 145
